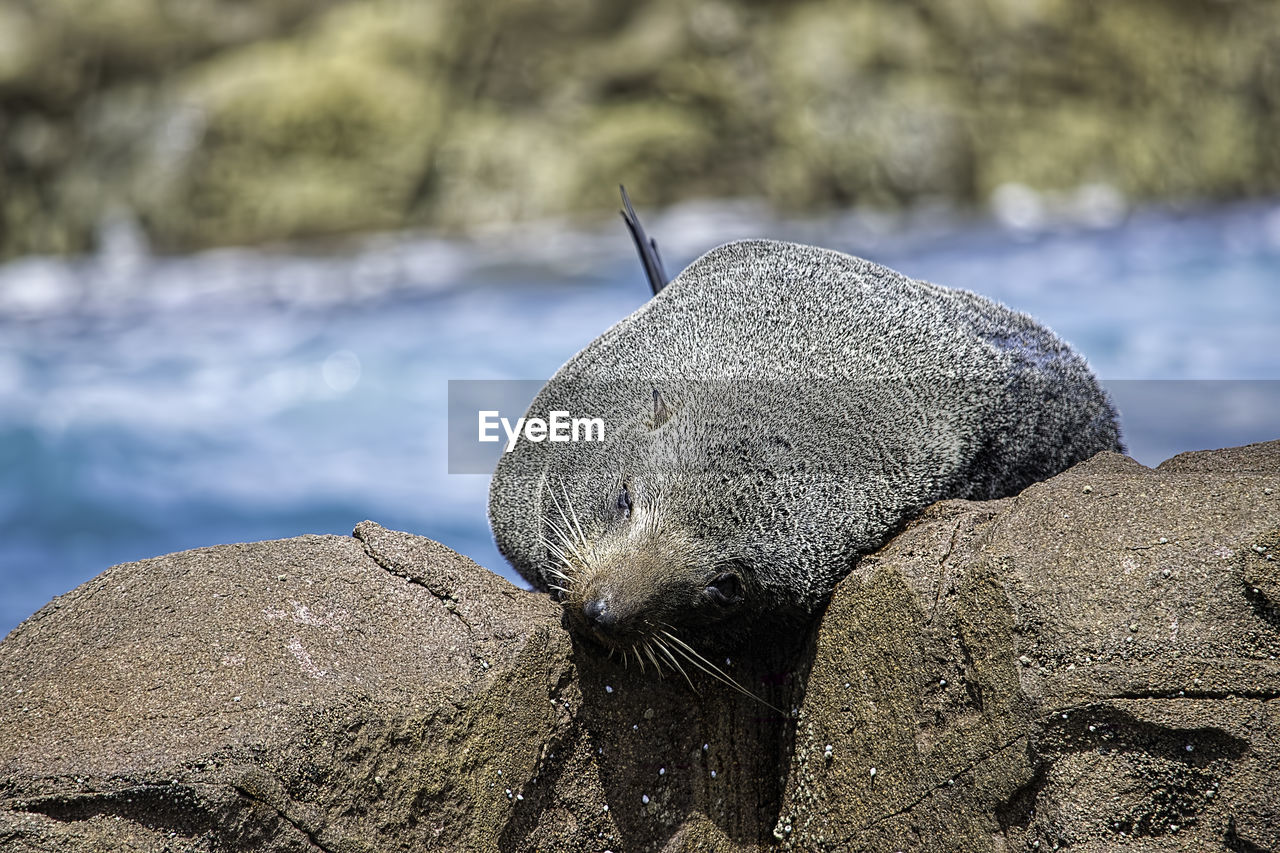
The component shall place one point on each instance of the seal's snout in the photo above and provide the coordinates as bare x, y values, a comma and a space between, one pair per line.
640, 587
599, 616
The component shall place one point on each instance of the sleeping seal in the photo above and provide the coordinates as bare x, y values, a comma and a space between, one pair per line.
773, 414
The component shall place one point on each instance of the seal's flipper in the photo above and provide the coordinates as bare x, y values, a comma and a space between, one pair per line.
646, 246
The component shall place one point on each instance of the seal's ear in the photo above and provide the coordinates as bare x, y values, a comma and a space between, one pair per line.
661, 412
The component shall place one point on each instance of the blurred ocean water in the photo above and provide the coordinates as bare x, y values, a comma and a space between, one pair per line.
155, 404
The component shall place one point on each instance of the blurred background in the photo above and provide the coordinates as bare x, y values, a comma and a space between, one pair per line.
245, 243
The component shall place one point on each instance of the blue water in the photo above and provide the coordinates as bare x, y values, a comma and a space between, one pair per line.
149, 405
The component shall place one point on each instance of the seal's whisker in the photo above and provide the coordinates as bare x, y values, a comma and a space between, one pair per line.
569, 541
555, 549
712, 670
675, 663
582, 538
648, 650
657, 659
567, 545
551, 565
550, 568
702, 667
560, 511
556, 574
559, 575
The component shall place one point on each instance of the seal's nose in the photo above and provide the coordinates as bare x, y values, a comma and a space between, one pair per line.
598, 615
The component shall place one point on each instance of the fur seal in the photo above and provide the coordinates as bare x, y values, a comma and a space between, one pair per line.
774, 413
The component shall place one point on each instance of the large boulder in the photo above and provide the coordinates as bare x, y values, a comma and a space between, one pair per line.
1089, 663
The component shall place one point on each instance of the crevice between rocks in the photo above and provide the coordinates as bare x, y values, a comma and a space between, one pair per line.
162, 807
445, 597
1236, 844
159, 807
303, 831
1166, 695
934, 788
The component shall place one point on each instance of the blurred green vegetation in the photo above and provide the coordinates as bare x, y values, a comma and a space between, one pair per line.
232, 121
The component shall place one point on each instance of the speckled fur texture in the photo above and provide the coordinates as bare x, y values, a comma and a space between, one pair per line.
814, 403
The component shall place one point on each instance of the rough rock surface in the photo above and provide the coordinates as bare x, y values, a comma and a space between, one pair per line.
1090, 663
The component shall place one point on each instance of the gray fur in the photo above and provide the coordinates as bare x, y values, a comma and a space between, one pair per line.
819, 402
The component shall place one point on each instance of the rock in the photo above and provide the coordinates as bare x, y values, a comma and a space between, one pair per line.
1056, 668
242, 697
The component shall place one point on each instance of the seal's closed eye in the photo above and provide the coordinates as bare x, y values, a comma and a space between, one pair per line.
624, 502
725, 589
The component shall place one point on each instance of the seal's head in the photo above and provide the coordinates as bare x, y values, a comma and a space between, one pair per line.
683, 530
634, 578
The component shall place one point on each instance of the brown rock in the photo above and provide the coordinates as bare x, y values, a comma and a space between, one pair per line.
284, 695
1093, 657
1089, 662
